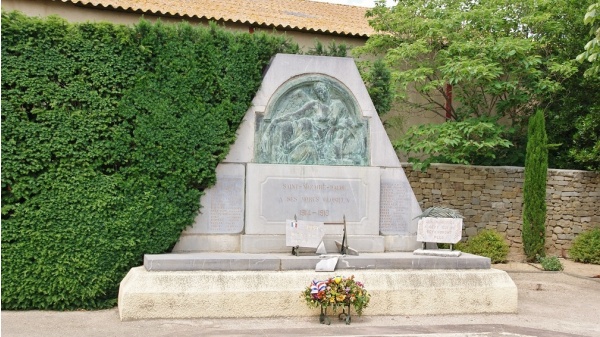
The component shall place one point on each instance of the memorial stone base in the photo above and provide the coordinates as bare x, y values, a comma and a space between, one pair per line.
269, 285
213, 294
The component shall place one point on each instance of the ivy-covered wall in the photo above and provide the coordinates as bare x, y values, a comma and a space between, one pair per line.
110, 134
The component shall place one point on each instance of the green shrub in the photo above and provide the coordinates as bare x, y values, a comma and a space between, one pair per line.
379, 86
551, 263
333, 49
586, 247
534, 188
488, 243
109, 136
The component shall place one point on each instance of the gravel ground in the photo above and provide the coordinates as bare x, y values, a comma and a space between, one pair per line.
550, 304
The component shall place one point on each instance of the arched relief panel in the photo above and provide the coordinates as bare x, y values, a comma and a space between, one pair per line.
312, 120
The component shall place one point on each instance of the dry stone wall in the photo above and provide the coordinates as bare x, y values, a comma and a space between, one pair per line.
492, 198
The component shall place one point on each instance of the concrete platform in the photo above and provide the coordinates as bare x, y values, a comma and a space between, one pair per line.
147, 294
285, 262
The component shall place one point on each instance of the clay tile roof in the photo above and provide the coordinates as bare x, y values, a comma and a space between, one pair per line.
300, 15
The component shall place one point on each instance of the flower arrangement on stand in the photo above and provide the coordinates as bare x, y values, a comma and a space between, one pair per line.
337, 292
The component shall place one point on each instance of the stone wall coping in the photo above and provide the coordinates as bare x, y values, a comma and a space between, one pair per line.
518, 168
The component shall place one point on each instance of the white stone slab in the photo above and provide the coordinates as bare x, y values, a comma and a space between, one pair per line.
438, 252
275, 193
222, 209
398, 204
440, 230
304, 233
327, 264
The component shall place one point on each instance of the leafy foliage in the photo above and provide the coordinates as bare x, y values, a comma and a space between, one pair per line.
488, 243
573, 126
110, 134
586, 247
574, 110
463, 142
534, 188
550, 263
379, 85
482, 48
502, 58
592, 48
333, 49
587, 136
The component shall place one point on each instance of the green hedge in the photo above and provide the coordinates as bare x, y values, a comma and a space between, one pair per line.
109, 135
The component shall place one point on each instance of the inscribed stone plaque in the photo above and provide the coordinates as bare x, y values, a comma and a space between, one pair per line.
275, 193
312, 120
304, 233
223, 206
227, 206
327, 200
395, 205
440, 230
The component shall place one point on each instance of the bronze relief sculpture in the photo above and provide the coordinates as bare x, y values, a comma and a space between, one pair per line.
312, 122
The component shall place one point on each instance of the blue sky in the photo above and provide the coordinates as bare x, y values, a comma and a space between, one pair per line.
362, 3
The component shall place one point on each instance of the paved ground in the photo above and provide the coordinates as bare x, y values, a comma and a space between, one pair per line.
550, 304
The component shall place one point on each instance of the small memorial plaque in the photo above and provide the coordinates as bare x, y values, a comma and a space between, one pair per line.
439, 230
395, 206
304, 233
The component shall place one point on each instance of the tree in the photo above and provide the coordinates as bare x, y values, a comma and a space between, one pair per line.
534, 188
378, 81
488, 51
592, 48
586, 139
458, 142
573, 122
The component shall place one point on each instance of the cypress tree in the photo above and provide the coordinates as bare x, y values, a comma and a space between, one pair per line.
534, 188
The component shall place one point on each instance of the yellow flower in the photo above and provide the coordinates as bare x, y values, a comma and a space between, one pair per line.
341, 297
337, 280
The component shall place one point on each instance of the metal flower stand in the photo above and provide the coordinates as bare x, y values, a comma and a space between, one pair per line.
323, 319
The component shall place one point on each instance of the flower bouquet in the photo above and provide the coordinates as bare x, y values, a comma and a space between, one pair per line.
337, 292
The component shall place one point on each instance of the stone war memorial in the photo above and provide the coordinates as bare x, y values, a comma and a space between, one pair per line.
312, 167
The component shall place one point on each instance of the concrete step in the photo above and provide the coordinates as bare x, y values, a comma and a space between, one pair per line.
283, 262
